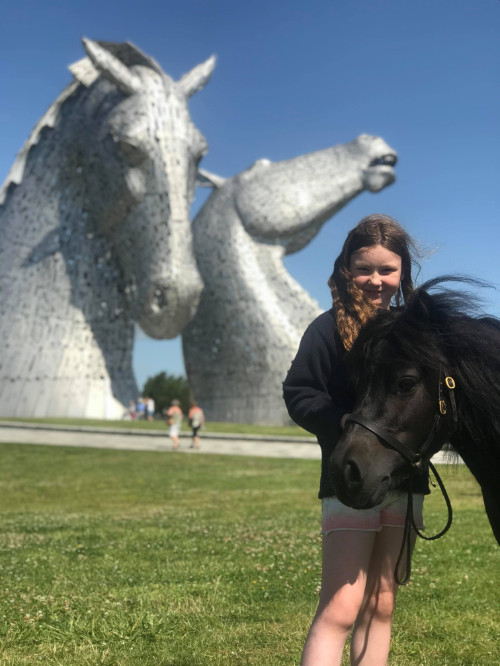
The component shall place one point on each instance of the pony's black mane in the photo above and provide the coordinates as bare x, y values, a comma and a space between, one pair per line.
443, 329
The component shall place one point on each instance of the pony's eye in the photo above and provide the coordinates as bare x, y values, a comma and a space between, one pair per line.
407, 384
134, 154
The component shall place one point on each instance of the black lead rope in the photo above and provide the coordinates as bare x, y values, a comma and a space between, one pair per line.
410, 523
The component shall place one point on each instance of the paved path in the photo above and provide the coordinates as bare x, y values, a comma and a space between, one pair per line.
151, 440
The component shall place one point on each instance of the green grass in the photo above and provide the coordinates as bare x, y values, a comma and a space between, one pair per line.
142, 558
233, 428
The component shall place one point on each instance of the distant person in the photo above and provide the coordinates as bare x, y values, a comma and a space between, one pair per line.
150, 408
141, 409
131, 410
174, 420
196, 419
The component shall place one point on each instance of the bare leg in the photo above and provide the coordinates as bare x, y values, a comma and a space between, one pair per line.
175, 441
195, 440
371, 637
346, 557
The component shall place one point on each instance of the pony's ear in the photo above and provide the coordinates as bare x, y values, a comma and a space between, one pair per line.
112, 68
197, 78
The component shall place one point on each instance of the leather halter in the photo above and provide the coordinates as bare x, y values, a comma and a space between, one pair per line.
419, 456
416, 458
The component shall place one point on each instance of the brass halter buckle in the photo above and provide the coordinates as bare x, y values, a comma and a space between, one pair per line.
450, 385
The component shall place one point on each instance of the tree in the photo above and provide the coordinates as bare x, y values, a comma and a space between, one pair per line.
163, 388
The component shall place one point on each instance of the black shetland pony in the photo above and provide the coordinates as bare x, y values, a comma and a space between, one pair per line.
425, 375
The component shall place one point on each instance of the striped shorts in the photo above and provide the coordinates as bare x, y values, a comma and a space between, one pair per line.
390, 513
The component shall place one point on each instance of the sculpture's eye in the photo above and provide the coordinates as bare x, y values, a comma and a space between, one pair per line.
133, 153
407, 384
199, 146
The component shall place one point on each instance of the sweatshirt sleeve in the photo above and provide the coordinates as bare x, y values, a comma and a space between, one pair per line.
306, 387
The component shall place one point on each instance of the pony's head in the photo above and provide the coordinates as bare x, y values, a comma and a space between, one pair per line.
399, 365
140, 159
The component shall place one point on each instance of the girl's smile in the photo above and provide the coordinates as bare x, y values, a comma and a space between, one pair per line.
377, 272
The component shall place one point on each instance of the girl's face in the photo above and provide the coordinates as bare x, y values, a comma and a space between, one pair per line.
377, 272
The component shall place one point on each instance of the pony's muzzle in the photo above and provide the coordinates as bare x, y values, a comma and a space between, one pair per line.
358, 479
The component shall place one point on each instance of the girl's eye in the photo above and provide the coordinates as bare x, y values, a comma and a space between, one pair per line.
407, 384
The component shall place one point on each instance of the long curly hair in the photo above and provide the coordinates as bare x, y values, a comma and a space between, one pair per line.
351, 307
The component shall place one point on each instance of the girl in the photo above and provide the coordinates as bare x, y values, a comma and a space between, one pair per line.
360, 548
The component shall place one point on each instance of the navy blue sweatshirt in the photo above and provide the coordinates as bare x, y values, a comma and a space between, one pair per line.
317, 393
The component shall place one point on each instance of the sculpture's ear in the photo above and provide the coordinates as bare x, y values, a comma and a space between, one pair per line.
112, 68
207, 179
84, 71
197, 78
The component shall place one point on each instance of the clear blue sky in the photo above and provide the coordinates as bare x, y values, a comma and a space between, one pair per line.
293, 77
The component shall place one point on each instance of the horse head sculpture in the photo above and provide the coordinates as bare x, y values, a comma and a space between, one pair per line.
252, 313
96, 234
140, 158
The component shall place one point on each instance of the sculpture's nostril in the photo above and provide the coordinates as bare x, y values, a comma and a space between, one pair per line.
159, 300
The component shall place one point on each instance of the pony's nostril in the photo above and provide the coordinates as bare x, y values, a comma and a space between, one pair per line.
352, 474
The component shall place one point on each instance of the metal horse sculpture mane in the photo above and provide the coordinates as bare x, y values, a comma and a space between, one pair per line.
96, 235
252, 313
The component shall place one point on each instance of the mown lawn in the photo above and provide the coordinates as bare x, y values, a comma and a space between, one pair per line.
159, 424
160, 558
